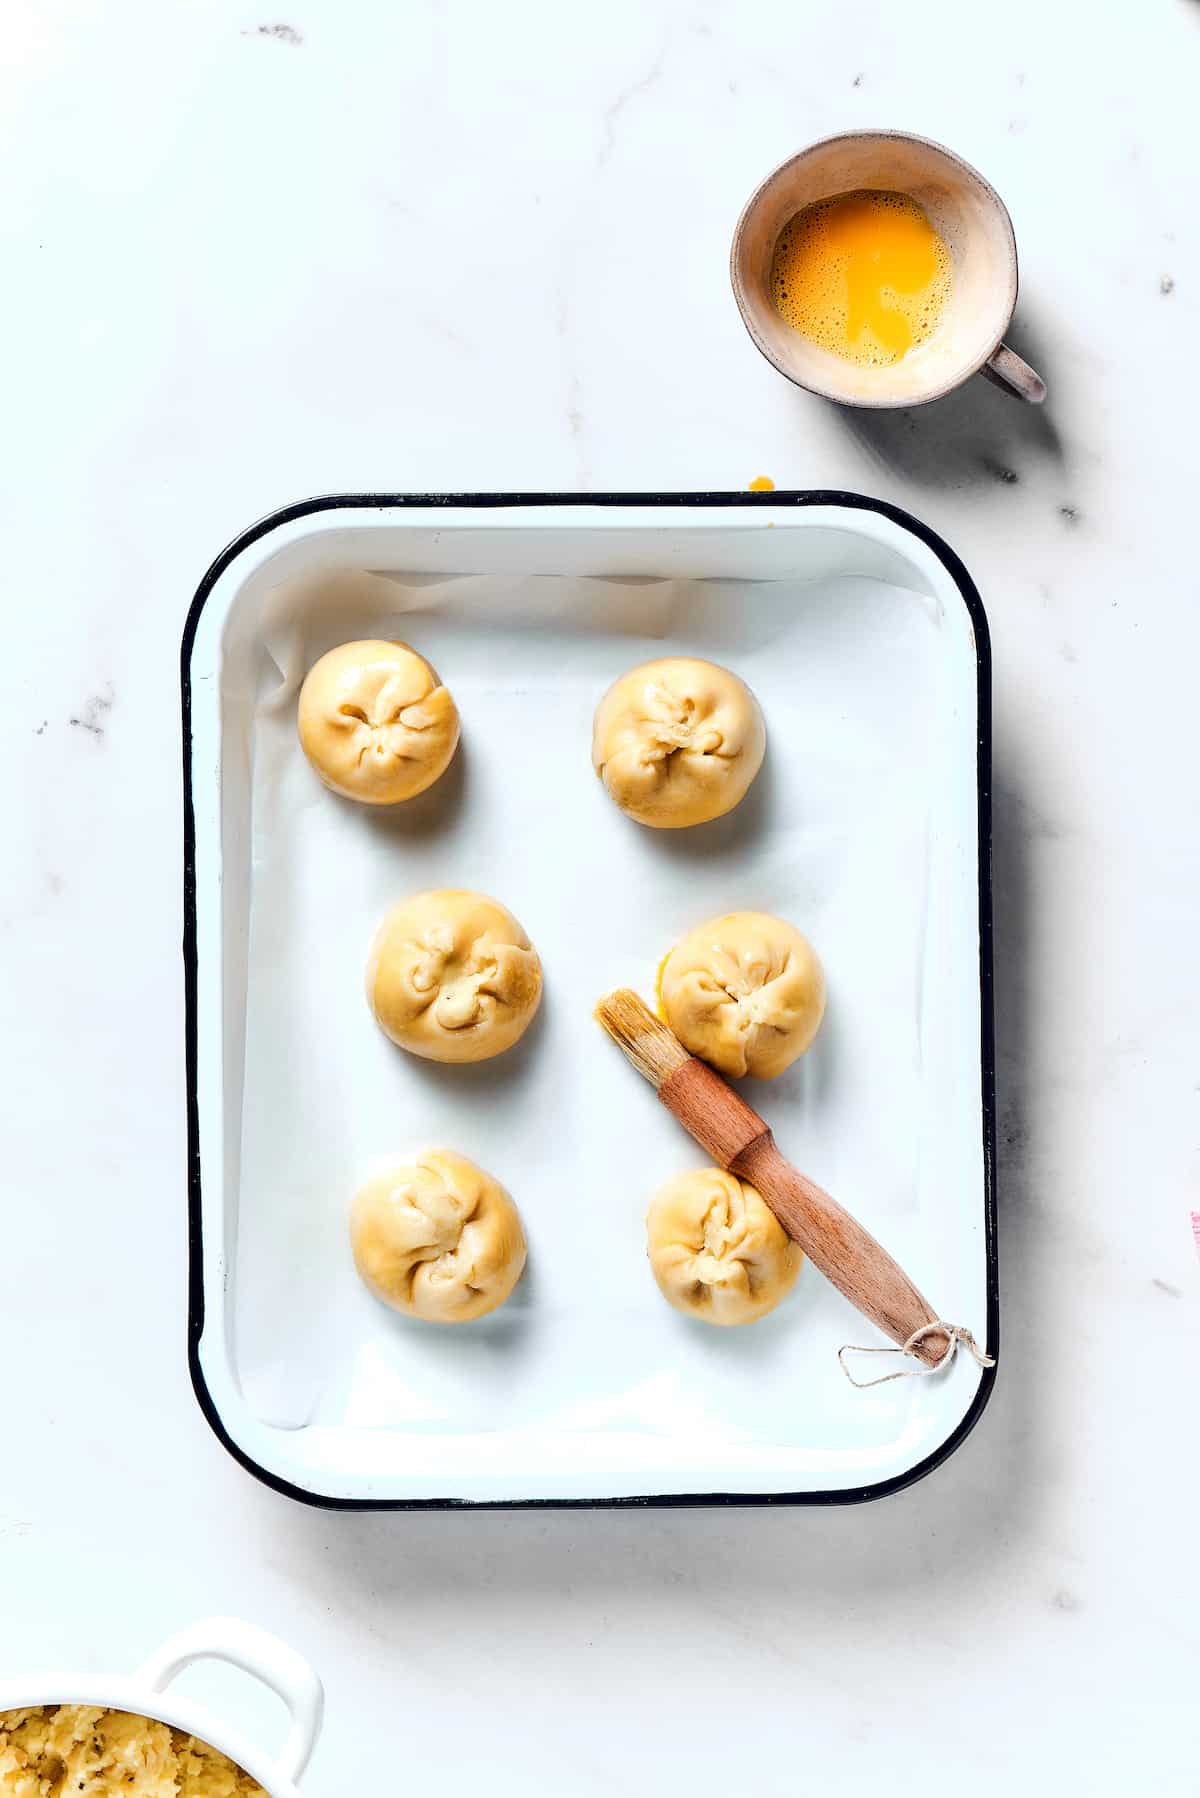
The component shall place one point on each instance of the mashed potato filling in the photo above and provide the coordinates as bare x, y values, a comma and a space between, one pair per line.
79, 1751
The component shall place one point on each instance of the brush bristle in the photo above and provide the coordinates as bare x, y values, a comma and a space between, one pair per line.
649, 1044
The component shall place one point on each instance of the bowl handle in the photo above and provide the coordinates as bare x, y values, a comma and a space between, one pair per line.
279, 1667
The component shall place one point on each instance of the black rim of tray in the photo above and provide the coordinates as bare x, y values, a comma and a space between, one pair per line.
389, 502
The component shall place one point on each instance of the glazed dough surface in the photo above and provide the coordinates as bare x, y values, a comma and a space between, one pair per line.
745, 993
439, 1240
453, 977
678, 742
81, 1751
717, 1249
376, 723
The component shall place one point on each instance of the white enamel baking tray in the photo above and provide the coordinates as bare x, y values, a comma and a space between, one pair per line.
866, 641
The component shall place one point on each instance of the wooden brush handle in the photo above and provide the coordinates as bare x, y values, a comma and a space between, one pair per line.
849, 1256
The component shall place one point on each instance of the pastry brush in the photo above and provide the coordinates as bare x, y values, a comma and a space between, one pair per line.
741, 1142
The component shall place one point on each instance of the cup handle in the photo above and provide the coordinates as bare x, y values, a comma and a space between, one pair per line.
1004, 368
265, 1658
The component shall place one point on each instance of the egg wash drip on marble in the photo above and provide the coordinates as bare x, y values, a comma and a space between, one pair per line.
864, 275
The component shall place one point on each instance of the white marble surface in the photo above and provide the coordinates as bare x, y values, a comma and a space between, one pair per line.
471, 246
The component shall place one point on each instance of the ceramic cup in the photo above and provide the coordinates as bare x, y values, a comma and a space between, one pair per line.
973, 221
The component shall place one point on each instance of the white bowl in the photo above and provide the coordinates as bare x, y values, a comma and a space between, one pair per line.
143, 1693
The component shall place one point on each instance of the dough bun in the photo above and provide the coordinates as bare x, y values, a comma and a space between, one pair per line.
745, 992
717, 1250
677, 742
452, 976
376, 723
440, 1240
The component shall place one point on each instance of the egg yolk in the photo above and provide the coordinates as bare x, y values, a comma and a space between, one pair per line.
863, 274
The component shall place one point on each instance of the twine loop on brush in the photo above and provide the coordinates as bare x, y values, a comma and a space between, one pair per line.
955, 1336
